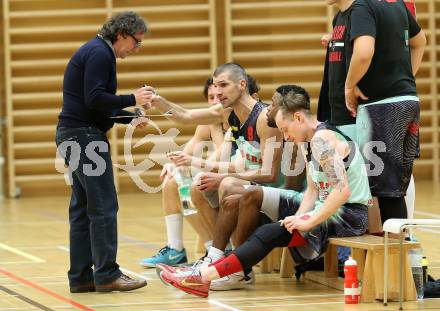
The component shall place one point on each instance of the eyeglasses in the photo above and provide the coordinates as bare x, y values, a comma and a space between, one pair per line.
137, 41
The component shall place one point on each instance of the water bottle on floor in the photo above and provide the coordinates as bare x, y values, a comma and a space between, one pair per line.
415, 259
182, 175
351, 283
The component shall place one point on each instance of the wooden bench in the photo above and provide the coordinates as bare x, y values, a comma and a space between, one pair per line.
272, 262
368, 251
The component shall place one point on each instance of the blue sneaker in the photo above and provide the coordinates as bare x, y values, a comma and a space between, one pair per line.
167, 256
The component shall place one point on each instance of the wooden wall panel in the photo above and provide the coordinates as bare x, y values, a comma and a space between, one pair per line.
177, 56
434, 12
2, 101
277, 41
428, 164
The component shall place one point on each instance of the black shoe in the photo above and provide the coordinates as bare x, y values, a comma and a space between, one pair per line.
310, 265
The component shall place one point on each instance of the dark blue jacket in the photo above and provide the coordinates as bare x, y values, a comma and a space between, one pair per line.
89, 89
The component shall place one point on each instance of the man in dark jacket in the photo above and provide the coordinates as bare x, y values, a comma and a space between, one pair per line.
89, 102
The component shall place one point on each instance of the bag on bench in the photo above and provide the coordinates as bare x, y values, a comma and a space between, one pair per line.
432, 289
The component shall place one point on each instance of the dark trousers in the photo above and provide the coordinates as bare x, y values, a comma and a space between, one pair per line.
93, 205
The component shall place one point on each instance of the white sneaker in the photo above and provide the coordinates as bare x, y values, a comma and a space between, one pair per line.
249, 278
233, 281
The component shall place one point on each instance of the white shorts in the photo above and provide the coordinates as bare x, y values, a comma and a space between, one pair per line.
271, 200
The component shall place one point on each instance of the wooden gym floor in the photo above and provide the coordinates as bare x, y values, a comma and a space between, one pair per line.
34, 260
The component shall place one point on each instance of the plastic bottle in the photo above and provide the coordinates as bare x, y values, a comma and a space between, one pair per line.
351, 283
182, 175
415, 259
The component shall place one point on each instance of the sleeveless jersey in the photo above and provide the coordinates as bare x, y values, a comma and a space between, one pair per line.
354, 166
245, 140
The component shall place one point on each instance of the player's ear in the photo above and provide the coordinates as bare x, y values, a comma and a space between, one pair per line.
243, 84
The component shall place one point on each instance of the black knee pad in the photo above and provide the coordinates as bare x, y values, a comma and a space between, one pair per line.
270, 233
261, 242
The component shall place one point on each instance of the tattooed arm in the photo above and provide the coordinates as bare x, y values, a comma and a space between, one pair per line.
330, 152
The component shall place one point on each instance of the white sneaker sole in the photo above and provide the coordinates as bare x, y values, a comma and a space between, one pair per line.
227, 287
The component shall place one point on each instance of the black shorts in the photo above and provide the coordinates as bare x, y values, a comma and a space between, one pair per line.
392, 124
288, 207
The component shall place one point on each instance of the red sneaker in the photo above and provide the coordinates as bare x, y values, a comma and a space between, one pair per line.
187, 280
170, 269
163, 267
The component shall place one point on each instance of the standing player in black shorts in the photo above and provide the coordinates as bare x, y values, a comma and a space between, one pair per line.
387, 48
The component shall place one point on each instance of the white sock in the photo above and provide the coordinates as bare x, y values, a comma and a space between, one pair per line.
229, 247
215, 254
174, 223
410, 198
208, 245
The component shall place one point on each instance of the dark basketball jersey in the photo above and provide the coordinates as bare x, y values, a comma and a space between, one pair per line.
245, 139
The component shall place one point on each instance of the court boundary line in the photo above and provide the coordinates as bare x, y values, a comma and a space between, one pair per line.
433, 215
24, 298
22, 262
222, 305
299, 304
143, 277
225, 299
45, 290
21, 253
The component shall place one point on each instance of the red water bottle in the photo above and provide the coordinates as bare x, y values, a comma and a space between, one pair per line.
351, 283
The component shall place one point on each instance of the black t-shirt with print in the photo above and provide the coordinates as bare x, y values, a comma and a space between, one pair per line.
392, 25
337, 71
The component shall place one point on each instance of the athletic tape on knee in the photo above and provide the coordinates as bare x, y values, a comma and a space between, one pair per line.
228, 265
